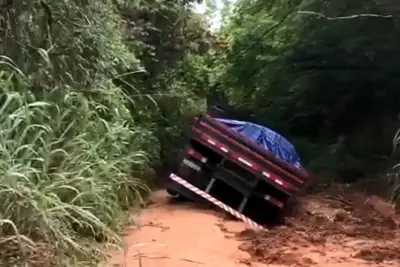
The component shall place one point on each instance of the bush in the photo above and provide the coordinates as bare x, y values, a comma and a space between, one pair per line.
66, 171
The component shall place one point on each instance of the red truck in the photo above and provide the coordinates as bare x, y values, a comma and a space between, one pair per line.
232, 168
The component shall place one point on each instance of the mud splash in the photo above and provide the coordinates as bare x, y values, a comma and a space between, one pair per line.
335, 227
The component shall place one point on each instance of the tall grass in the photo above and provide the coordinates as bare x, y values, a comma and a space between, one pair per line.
394, 175
71, 157
74, 149
65, 173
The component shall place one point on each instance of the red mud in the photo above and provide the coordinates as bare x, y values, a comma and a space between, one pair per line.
333, 229
336, 227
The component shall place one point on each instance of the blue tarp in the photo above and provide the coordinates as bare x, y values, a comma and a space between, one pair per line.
268, 139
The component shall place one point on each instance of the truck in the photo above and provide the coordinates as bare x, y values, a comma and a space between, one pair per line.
244, 168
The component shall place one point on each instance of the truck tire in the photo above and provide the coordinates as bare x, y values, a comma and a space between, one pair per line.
176, 195
172, 193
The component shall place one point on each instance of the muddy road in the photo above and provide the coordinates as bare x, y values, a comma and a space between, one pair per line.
330, 230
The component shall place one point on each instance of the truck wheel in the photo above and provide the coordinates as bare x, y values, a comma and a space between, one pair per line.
176, 195
172, 193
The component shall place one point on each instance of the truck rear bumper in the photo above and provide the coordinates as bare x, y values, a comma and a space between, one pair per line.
183, 187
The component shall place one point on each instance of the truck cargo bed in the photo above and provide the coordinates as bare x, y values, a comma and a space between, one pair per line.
235, 170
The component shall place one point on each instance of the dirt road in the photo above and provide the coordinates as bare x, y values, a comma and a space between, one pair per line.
326, 231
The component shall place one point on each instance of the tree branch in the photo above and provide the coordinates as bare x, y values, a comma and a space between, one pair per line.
265, 33
349, 67
320, 15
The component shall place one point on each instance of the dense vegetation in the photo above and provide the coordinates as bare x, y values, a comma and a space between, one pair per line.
97, 95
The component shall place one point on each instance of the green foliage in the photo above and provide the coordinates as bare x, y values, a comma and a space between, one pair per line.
320, 77
176, 59
65, 173
93, 94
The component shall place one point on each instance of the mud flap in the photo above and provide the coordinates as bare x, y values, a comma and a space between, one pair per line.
215, 201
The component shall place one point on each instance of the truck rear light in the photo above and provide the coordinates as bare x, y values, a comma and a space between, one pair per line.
197, 155
273, 201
